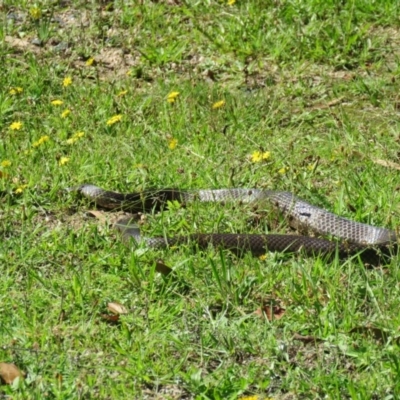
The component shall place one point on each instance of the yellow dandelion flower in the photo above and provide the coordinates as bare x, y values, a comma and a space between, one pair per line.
218, 104
63, 160
283, 170
90, 61
263, 257
67, 81
41, 140
65, 113
5, 163
258, 156
16, 90
57, 102
231, 2
75, 137
35, 12
129, 73
20, 189
16, 126
252, 398
114, 119
255, 397
172, 143
122, 93
171, 98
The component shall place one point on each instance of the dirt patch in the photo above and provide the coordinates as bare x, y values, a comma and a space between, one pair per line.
22, 45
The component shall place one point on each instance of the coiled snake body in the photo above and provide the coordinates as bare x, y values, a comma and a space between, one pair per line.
371, 242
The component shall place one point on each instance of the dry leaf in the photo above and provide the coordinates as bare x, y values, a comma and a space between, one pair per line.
162, 268
331, 103
307, 339
97, 214
117, 308
376, 333
59, 377
9, 372
389, 164
271, 312
110, 318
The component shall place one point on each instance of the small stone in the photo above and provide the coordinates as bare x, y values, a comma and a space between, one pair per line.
62, 46
16, 16
37, 42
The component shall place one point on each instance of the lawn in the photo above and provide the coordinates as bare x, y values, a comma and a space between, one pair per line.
301, 96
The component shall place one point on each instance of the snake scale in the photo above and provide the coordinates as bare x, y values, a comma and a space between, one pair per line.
370, 242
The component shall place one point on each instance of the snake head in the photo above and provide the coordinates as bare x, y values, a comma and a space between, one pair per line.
99, 196
86, 189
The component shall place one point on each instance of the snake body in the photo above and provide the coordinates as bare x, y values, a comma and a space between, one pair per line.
356, 237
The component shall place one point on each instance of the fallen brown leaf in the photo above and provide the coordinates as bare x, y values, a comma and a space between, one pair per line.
9, 372
307, 339
271, 312
59, 377
117, 308
110, 318
385, 163
162, 268
331, 103
376, 333
98, 215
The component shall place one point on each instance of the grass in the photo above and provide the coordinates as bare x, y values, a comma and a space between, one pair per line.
314, 83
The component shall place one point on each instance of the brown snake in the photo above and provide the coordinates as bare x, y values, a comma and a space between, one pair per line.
372, 243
